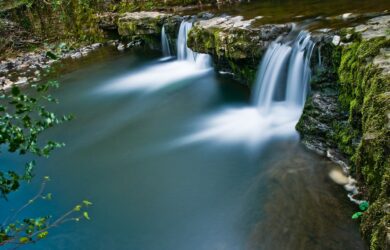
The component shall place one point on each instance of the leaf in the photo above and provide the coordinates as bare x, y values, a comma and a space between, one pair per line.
43, 235
86, 216
364, 205
87, 203
357, 215
24, 240
77, 208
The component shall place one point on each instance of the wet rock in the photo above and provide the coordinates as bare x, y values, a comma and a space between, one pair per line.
375, 27
339, 159
108, 20
121, 47
135, 43
233, 37
236, 45
76, 55
336, 40
96, 46
348, 116
322, 107
141, 23
21, 80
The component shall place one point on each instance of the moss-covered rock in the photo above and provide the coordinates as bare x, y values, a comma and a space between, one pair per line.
141, 23
359, 72
146, 26
235, 44
149, 5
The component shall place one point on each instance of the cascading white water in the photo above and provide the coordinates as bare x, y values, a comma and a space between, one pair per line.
165, 43
185, 53
284, 69
278, 98
165, 72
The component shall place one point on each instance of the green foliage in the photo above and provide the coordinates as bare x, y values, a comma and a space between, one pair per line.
357, 215
23, 118
31, 230
364, 205
364, 94
55, 20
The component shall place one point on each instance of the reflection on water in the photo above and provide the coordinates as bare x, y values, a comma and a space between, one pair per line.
300, 205
198, 196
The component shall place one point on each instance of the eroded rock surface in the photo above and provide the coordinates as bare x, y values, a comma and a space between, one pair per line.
349, 111
236, 45
141, 23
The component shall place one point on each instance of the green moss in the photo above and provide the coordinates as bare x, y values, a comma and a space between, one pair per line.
231, 49
361, 129
137, 5
365, 94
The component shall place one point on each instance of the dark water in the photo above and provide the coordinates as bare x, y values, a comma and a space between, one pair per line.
152, 193
320, 13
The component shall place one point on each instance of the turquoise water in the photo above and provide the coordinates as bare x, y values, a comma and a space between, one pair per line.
151, 191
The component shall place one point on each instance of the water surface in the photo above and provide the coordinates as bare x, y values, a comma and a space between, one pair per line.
153, 191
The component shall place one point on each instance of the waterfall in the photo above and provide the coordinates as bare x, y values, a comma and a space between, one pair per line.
279, 95
165, 43
165, 72
185, 53
284, 74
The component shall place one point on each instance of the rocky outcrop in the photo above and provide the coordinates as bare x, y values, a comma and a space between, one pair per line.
145, 26
349, 111
236, 44
166, 5
107, 20
141, 23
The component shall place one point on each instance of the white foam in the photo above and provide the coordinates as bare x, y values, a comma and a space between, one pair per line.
155, 77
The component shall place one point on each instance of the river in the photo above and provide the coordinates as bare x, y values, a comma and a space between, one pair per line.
171, 155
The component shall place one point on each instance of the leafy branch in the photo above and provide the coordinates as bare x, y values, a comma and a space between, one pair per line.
32, 230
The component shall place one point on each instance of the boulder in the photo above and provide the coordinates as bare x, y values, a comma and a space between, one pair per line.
141, 23
236, 44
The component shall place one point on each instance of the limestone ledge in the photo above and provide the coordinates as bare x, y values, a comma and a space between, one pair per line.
235, 44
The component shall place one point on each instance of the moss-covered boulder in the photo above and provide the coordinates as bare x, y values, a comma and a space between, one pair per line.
146, 26
236, 45
141, 23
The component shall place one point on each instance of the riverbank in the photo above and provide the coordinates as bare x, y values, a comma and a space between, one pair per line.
345, 118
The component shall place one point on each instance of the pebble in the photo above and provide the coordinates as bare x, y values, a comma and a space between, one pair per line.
76, 55
28, 65
96, 45
336, 40
121, 47
22, 80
